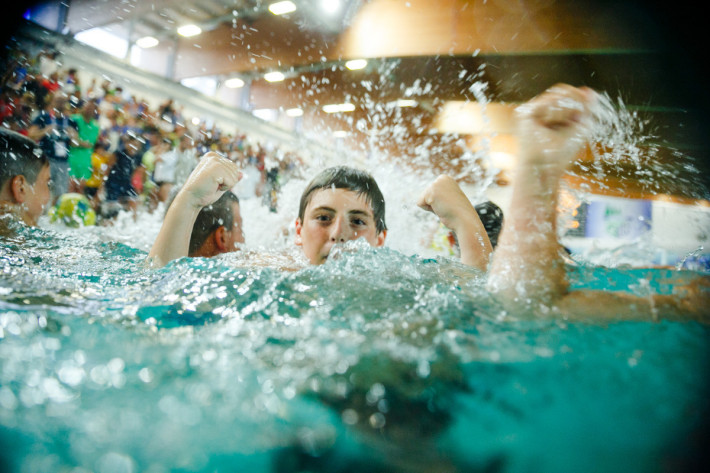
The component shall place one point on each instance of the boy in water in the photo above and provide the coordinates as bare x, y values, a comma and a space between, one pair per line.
527, 263
527, 271
217, 228
24, 178
340, 204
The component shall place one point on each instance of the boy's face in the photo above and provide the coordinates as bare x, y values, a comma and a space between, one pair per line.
36, 197
335, 216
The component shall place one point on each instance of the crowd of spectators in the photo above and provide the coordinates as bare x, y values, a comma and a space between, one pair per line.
115, 149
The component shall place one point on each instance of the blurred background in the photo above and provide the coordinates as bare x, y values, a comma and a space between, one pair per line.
428, 85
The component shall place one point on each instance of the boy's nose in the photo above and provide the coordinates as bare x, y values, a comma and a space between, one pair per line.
338, 231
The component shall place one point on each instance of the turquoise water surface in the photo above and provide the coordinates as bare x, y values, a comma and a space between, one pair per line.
375, 361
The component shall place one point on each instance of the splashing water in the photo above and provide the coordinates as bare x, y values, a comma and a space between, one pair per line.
625, 146
379, 360
374, 360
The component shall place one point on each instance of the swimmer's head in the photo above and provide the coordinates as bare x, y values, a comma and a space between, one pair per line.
339, 205
223, 214
355, 180
24, 175
19, 155
492, 219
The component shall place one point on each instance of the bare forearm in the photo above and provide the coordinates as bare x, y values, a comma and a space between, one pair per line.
474, 244
527, 263
173, 240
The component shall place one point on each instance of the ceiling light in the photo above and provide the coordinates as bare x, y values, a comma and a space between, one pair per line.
281, 8
406, 103
234, 83
268, 114
502, 160
195, 121
340, 134
338, 107
330, 6
294, 112
355, 64
189, 30
275, 76
147, 42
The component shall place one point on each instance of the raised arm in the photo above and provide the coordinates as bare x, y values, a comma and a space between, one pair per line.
527, 266
213, 176
445, 198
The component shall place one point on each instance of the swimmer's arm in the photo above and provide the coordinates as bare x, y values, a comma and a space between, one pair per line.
687, 303
445, 198
527, 266
212, 177
173, 240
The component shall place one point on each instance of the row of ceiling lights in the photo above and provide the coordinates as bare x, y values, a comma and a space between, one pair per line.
277, 8
347, 107
281, 8
277, 76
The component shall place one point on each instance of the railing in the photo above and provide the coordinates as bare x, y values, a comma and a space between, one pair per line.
142, 83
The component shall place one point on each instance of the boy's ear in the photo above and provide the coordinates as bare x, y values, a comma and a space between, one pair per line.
220, 239
299, 240
381, 238
19, 188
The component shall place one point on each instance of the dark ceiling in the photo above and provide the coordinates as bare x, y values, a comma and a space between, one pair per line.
660, 77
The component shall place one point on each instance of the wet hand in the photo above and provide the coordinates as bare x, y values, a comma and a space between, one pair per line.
213, 176
554, 126
445, 198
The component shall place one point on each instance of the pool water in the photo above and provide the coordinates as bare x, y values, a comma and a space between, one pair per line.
375, 361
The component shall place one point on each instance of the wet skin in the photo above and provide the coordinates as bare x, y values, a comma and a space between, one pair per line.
335, 216
36, 197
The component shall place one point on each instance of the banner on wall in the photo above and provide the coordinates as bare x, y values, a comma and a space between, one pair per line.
618, 218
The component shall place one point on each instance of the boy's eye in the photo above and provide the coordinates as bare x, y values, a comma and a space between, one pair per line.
322, 218
358, 221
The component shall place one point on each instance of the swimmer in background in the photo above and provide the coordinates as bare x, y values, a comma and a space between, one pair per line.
527, 271
101, 162
120, 193
444, 239
217, 228
24, 179
340, 204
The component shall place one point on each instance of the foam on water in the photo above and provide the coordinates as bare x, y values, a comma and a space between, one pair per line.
375, 360
379, 360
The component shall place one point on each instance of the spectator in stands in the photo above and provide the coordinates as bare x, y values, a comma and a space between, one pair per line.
55, 131
120, 192
80, 155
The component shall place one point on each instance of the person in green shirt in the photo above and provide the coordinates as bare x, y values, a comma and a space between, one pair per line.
80, 154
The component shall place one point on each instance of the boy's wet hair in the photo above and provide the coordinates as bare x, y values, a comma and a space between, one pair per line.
492, 218
354, 180
210, 218
19, 156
